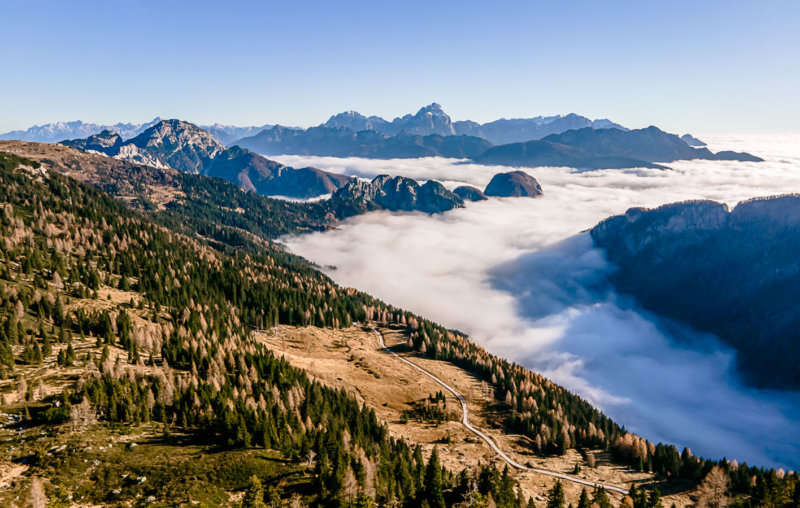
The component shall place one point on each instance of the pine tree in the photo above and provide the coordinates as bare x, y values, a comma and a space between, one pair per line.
254, 497
555, 497
584, 501
434, 492
600, 498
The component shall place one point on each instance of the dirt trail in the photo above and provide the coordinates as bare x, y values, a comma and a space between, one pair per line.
487, 439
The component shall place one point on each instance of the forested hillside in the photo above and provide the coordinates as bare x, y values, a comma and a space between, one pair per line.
170, 343
732, 273
137, 320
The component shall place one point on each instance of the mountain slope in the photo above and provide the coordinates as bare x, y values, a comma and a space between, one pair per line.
180, 145
184, 146
732, 273
604, 149
104, 142
269, 178
548, 153
650, 144
170, 346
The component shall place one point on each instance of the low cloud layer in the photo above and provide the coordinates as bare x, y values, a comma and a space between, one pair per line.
521, 279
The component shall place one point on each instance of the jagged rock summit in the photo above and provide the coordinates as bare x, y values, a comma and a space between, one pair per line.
396, 194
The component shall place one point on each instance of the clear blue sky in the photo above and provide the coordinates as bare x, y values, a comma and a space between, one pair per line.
698, 66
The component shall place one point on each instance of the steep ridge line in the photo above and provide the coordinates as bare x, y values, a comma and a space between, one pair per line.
487, 439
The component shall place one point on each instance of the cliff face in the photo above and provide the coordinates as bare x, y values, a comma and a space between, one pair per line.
732, 273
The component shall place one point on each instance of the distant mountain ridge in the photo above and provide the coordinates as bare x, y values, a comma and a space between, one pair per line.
604, 149
55, 132
227, 134
345, 142
571, 140
432, 119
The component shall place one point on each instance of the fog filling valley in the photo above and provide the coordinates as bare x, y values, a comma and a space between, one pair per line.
521, 277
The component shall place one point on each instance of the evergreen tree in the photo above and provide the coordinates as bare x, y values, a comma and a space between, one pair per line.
584, 501
555, 496
434, 492
254, 496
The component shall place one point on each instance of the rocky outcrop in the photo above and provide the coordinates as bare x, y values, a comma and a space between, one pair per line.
106, 142
394, 194
513, 184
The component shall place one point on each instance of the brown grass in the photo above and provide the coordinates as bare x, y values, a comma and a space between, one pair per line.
352, 359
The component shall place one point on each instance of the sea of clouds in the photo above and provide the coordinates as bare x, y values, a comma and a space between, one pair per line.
523, 279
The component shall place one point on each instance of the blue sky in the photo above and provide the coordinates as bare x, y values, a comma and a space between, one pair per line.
701, 66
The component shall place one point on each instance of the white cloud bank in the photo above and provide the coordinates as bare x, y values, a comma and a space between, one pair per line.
518, 277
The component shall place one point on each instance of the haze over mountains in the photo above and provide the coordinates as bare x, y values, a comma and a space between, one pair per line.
55, 132
571, 140
432, 119
58, 131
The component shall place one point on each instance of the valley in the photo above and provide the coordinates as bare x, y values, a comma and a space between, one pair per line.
400, 254
524, 285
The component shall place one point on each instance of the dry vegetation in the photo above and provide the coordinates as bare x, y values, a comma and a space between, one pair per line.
130, 181
352, 359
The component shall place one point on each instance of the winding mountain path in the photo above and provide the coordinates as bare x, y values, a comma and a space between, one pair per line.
465, 421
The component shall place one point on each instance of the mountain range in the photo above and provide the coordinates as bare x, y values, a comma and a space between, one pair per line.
432, 119
227, 134
733, 273
570, 140
345, 142
186, 147
428, 120
55, 132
